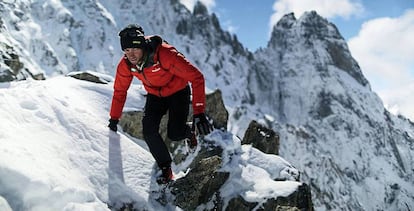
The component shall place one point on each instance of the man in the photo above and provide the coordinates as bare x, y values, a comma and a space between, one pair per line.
165, 74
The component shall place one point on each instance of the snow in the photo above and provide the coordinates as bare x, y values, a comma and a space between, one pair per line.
56, 152
267, 168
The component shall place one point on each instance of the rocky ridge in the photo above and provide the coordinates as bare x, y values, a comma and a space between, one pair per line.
201, 186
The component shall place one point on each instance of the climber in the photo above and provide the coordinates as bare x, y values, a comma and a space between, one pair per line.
165, 74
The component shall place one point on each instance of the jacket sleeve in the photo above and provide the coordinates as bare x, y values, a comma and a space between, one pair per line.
123, 79
178, 65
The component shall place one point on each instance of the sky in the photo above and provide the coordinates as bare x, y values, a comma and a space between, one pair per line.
68, 159
379, 36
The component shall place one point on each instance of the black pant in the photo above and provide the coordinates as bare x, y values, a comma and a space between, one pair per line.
177, 106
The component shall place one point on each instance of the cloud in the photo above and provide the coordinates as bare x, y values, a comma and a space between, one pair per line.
190, 4
400, 100
325, 8
384, 49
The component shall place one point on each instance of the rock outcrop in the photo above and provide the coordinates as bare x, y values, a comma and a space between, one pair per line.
216, 110
87, 76
262, 138
299, 200
11, 66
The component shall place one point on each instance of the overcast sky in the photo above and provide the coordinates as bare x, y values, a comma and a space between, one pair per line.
379, 34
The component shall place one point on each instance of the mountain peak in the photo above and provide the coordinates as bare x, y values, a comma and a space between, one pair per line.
310, 32
310, 24
200, 9
286, 21
312, 16
313, 23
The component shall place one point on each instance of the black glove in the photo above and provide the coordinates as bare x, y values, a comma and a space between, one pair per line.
113, 124
203, 126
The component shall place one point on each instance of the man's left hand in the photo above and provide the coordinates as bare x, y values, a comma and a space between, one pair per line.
202, 124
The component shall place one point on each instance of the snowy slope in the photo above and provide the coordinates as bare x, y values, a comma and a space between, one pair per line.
56, 152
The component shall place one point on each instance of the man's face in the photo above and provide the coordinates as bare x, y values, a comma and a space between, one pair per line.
134, 55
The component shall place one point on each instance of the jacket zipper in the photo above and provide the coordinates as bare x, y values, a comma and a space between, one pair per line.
150, 85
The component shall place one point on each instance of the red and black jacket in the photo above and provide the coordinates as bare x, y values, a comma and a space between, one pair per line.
170, 72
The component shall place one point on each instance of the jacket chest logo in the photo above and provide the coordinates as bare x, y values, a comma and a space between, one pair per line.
156, 69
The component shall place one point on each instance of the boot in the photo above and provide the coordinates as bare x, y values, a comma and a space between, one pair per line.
192, 141
166, 175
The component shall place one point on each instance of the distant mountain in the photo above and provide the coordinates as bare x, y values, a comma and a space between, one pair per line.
355, 154
305, 85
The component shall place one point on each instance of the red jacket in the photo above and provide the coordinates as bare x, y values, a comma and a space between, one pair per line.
170, 73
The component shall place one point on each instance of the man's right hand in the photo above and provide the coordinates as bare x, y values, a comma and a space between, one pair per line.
113, 124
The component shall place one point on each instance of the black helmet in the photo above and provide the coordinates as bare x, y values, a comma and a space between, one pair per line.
132, 36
